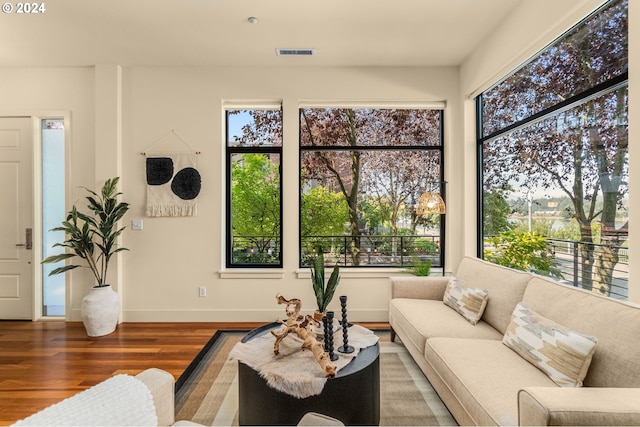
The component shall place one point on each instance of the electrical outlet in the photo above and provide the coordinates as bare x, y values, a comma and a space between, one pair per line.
136, 224
202, 291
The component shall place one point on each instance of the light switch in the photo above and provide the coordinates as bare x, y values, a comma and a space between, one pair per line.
136, 224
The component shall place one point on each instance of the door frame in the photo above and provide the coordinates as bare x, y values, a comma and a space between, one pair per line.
36, 159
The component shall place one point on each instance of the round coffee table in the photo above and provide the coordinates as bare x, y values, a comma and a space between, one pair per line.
352, 397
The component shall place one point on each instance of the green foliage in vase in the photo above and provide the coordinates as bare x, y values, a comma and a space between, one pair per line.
419, 267
92, 237
323, 291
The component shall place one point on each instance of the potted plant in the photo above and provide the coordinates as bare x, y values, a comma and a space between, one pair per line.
92, 237
323, 291
418, 267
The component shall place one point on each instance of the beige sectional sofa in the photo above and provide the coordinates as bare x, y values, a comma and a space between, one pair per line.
482, 381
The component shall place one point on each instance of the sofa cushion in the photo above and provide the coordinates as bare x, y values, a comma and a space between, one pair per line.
467, 301
417, 320
484, 376
505, 286
614, 323
561, 353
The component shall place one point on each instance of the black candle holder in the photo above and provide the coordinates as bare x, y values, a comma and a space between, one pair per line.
325, 336
345, 347
328, 336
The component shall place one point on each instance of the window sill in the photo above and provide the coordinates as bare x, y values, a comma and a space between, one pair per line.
252, 273
305, 273
363, 273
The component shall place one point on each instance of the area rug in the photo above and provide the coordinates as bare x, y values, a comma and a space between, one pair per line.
207, 392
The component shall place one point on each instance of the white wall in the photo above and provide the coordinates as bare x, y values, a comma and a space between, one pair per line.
172, 257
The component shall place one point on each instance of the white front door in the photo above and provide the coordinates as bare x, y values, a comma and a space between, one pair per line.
16, 218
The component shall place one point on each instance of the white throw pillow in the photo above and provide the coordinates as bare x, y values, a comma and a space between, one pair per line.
564, 355
469, 302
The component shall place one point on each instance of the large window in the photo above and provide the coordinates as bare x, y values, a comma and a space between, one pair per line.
554, 151
362, 172
254, 153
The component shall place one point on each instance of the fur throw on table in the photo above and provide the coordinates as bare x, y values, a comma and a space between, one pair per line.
294, 371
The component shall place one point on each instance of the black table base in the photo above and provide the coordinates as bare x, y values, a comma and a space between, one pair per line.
352, 397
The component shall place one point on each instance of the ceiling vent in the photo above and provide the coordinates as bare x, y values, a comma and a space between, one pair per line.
295, 52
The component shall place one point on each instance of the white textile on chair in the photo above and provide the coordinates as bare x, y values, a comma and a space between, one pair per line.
121, 400
294, 371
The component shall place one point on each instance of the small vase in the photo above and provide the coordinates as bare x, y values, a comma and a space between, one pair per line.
318, 315
100, 310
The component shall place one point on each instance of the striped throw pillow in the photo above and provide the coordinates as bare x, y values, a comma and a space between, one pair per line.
469, 302
564, 355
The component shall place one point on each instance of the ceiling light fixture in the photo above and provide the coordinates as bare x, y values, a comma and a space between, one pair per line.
431, 202
252, 20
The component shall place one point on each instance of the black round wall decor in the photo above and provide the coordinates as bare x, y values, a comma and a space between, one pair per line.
159, 170
186, 184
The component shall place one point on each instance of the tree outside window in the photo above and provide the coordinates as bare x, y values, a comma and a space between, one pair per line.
254, 149
361, 174
554, 146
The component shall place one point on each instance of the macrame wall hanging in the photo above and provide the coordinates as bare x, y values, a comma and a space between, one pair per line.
173, 180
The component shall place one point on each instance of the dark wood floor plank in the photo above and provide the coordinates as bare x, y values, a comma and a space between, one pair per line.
42, 363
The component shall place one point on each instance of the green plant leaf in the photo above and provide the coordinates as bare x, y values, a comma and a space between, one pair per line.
62, 269
56, 258
317, 280
419, 267
332, 284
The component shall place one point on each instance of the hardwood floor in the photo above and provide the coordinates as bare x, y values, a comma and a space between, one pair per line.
42, 363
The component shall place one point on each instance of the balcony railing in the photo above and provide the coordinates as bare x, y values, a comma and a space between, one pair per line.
593, 266
372, 250
585, 265
255, 250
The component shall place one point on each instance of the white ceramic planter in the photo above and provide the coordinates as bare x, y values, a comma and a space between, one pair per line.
100, 310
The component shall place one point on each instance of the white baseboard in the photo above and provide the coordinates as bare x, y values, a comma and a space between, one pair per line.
207, 315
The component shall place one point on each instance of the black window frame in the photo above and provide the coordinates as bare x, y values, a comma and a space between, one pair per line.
603, 87
230, 151
439, 148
